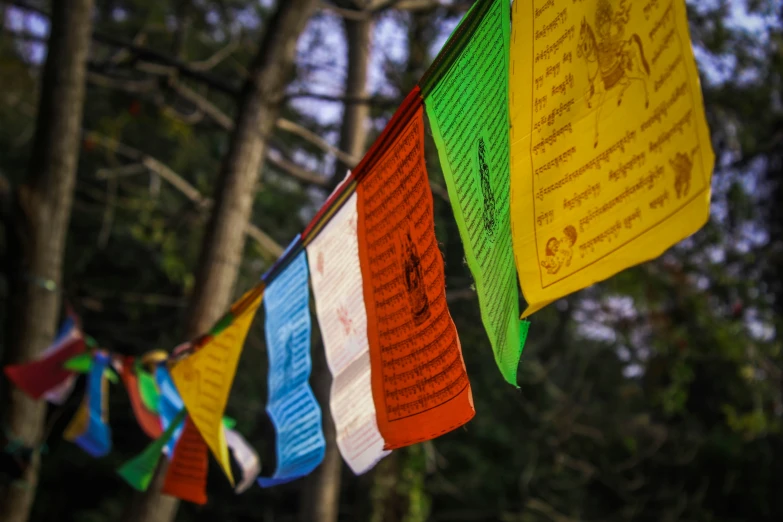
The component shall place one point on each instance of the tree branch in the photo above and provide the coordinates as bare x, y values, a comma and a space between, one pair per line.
371, 100
275, 158
224, 121
375, 8
294, 128
215, 59
149, 55
266, 243
284, 124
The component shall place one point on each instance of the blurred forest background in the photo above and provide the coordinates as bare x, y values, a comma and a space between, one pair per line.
657, 395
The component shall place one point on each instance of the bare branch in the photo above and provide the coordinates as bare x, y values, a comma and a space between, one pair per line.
348, 100
125, 170
545, 509
149, 55
463, 294
277, 159
203, 104
129, 86
294, 128
374, 8
215, 59
206, 107
348, 14
267, 244
439, 191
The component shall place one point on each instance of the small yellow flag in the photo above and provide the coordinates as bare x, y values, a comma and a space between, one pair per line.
79, 423
611, 158
204, 378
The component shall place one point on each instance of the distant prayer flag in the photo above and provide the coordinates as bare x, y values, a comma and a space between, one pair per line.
169, 405
246, 457
149, 421
47, 374
205, 376
186, 477
89, 428
138, 471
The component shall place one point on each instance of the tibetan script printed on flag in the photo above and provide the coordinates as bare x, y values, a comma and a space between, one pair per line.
186, 477
420, 385
468, 111
610, 152
291, 406
204, 378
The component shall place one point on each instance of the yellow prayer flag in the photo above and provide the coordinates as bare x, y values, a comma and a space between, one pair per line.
204, 378
79, 423
610, 153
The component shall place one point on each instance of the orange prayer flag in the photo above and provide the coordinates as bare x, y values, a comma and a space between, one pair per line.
186, 478
149, 421
419, 382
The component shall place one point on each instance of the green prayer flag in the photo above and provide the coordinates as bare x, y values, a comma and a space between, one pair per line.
229, 423
139, 470
466, 98
110, 376
83, 362
79, 363
148, 389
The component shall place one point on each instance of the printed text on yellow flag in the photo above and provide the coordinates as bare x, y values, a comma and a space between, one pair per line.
204, 378
610, 153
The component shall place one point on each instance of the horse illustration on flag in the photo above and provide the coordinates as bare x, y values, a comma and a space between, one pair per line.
612, 60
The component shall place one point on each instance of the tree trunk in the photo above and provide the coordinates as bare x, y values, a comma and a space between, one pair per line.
321, 490
40, 216
224, 242
353, 132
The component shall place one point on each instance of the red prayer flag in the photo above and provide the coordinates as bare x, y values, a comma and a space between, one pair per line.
149, 421
35, 378
186, 478
419, 382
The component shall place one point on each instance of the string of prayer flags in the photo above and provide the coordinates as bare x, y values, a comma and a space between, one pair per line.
186, 477
419, 381
610, 153
204, 377
339, 302
169, 406
89, 429
148, 420
291, 406
246, 457
139, 470
46, 374
466, 98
